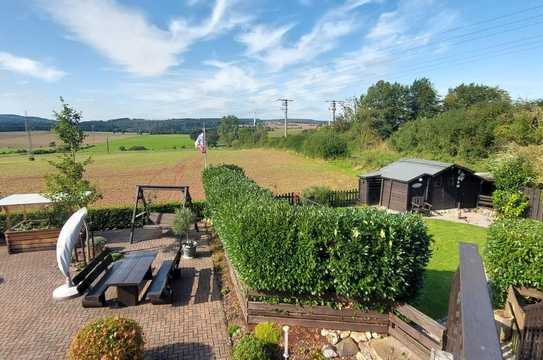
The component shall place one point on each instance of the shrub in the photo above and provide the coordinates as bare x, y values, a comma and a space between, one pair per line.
514, 254
304, 250
108, 338
326, 144
318, 194
184, 218
250, 348
122, 148
510, 203
268, 332
233, 329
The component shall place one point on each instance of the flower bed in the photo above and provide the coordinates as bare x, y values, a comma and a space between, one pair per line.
31, 236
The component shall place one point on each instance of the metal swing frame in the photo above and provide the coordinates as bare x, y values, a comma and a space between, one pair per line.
140, 196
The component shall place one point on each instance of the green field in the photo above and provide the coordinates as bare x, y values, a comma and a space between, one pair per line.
151, 142
434, 296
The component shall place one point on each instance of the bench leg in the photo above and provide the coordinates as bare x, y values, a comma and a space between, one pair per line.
128, 295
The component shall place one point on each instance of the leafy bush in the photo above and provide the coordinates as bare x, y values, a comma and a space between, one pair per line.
305, 250
318, 194
326, 144
510, 203
122, 148
108, 338
250, 348
233, 329
514, 254
268, 332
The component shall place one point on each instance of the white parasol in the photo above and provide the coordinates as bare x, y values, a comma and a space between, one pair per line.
67, 239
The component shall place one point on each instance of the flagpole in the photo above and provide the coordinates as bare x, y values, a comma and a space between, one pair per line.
205, 146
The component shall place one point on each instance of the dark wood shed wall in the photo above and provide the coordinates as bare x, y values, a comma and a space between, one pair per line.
370, 190
444, 193
394, 195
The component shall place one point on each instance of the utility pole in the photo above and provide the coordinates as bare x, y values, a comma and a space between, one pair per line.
333, 109
28, 135
254, 119
284, 107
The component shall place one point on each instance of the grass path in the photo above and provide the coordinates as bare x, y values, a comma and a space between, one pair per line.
434, 296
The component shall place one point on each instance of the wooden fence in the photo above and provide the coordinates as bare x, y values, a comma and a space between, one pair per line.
339, 198
535, 203
471, 329
528, 322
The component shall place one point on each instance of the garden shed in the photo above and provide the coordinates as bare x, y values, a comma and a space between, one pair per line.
442, 185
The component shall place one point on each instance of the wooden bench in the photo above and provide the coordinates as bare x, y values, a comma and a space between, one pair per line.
420, 206
96, 297
92, 271
160, 291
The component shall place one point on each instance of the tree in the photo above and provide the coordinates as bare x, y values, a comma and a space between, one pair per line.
423, 99
228, 129
465, 96
67, 187
387, 105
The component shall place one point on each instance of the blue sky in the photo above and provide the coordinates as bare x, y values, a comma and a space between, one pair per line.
197, 58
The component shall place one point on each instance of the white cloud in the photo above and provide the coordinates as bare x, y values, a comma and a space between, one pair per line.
126, 37
29, 67
323, 37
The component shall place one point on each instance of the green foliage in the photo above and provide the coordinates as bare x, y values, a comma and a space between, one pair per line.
101, 218
137, 148
184, 218
67, 187
387, 106
523, 127
514, 255
232, 329
466, 134
423, 99
465, 96
250, 348
325, 144
228, 129
268, 332
512, 204
318, 194
250, 136
302, 250
512, 173
108, 338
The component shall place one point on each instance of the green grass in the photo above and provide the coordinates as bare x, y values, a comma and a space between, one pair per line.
151, 142
433, 298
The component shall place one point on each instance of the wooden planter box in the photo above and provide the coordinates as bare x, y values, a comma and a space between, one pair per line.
32, 240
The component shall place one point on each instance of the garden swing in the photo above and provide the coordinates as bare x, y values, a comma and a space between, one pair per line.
157, 219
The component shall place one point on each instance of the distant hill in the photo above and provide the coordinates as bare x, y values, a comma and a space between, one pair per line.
184, 125
9, 122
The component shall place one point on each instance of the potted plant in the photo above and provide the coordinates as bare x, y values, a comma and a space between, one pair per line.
184, 217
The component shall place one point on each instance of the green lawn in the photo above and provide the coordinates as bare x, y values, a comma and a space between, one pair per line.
434, 296
151, 142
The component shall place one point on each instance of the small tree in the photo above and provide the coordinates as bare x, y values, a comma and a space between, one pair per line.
67, 187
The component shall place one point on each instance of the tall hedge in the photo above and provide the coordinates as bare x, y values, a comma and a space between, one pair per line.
367, 255
514, 255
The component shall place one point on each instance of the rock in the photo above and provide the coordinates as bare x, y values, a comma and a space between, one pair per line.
359, 336
324, 332
375, 335
344, 334
364, 353
347, 347
332, 338
368, 335
329, 352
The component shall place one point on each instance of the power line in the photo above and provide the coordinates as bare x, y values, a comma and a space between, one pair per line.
284, 107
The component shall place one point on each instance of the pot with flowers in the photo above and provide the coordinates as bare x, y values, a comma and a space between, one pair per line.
184, 218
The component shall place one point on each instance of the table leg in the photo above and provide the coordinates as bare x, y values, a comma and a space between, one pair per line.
128, 295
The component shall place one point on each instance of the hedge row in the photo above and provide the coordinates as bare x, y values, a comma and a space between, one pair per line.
514, 255
102, 218
366, 255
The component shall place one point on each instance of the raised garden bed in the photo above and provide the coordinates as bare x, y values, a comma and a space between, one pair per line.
30, 238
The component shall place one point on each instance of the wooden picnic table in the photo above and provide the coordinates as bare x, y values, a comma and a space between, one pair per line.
129, 275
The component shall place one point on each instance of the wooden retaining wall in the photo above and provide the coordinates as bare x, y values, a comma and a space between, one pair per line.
34, 240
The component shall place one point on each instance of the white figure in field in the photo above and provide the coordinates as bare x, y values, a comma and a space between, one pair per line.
67, 239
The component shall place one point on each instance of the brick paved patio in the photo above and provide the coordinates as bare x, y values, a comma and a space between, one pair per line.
33, 326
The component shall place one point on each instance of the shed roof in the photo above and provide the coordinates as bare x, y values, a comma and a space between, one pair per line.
408, 169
